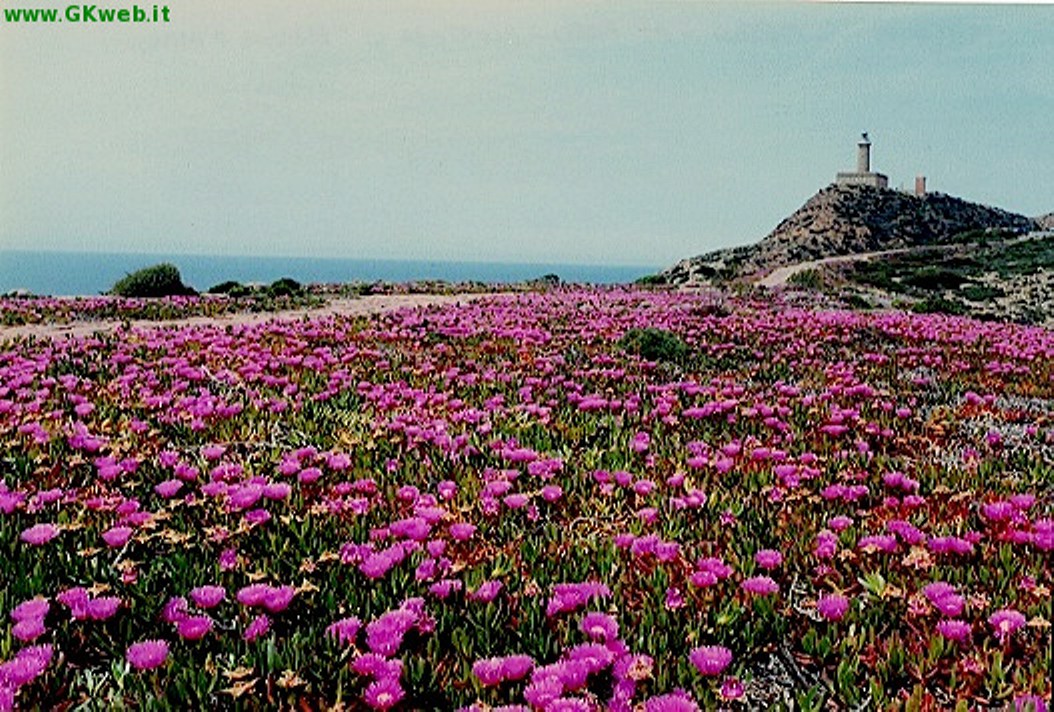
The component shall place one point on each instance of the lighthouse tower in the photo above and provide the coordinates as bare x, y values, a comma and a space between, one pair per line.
863, 175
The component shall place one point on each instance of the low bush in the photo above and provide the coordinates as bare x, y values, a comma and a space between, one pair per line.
161, 280
654, 345
285, 287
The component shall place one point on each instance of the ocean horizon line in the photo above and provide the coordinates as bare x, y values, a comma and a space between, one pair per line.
79, 273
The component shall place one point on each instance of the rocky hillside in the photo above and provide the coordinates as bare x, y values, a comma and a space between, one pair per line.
1046, 222
847, 220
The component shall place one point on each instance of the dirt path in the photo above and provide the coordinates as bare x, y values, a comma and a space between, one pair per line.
779, 276
372, 304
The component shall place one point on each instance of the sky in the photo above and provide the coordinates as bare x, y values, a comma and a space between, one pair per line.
628, 133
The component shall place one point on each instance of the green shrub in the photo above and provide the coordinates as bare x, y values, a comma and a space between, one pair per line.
654, 345
651, 280
855, 301
231, 289
981, 292
932, 278
940, 305
285, 287
162, 280
807, 279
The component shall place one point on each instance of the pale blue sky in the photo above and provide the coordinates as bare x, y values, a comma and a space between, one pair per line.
613, 133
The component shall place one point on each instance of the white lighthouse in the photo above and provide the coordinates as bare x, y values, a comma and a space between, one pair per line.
863, 174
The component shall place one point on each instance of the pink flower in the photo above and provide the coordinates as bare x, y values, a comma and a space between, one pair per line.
33, 608
731, 689
116, 537
833, 607
488, 671
768, 558
208, 596
103, 607
253, 594
760, 585
28, 629
277, 599
175, 610
678, 701
462, 531
710, 660
383, 693
39, 534
194, 627
377, 666
1005, 622
26, 666
944, 598
258, 627
168, 488
344, 630
599, 626
956, 630
516, 667
148, 654
487, 591
228, 559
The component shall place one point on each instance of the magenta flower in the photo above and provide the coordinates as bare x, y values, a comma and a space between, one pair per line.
116, 537
760, 585
462, 531
102, 608
208, 596
377, 666
487, 591
33, 608
253, 594
228, 559
678, 701
710, 660
148, 654
194, 627
277, 599
833, 606
383, 693
26, 666
488, 671
944, 598
572, 596
175, 610
28, 629
768, 558
516, 667
958, 631
344, 630
1005, 622
258, 627
168, 488
599, 626
731, 689
40, 534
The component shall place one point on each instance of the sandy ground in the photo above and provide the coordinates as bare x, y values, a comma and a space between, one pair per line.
372, 304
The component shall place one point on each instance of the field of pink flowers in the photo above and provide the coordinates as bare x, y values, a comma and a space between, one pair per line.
495, 505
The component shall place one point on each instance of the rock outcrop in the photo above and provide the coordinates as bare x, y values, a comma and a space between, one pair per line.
847, 220
1046, 222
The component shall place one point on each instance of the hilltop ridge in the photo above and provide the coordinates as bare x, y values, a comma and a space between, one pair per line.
842, 220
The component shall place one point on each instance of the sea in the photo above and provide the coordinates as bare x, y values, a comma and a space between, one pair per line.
90, 273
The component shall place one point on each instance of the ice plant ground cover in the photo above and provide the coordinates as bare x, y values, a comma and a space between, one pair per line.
493, 504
